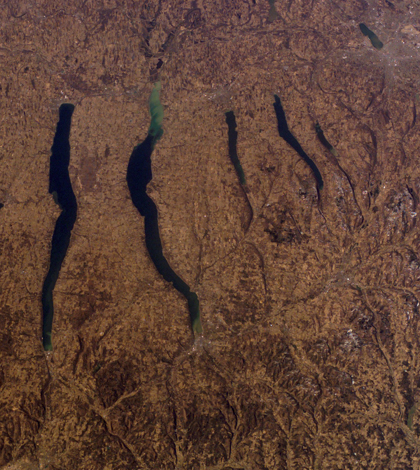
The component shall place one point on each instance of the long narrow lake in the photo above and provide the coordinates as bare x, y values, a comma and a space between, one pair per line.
139, 174
62, 191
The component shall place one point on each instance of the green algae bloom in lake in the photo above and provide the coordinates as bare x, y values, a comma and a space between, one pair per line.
156, 113
411, 412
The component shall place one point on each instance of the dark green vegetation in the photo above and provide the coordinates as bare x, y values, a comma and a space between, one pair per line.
371, 35
233, 138
156, 113
60, 188
139, 174
291, 140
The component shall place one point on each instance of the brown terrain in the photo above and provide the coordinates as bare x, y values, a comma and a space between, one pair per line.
309, 357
